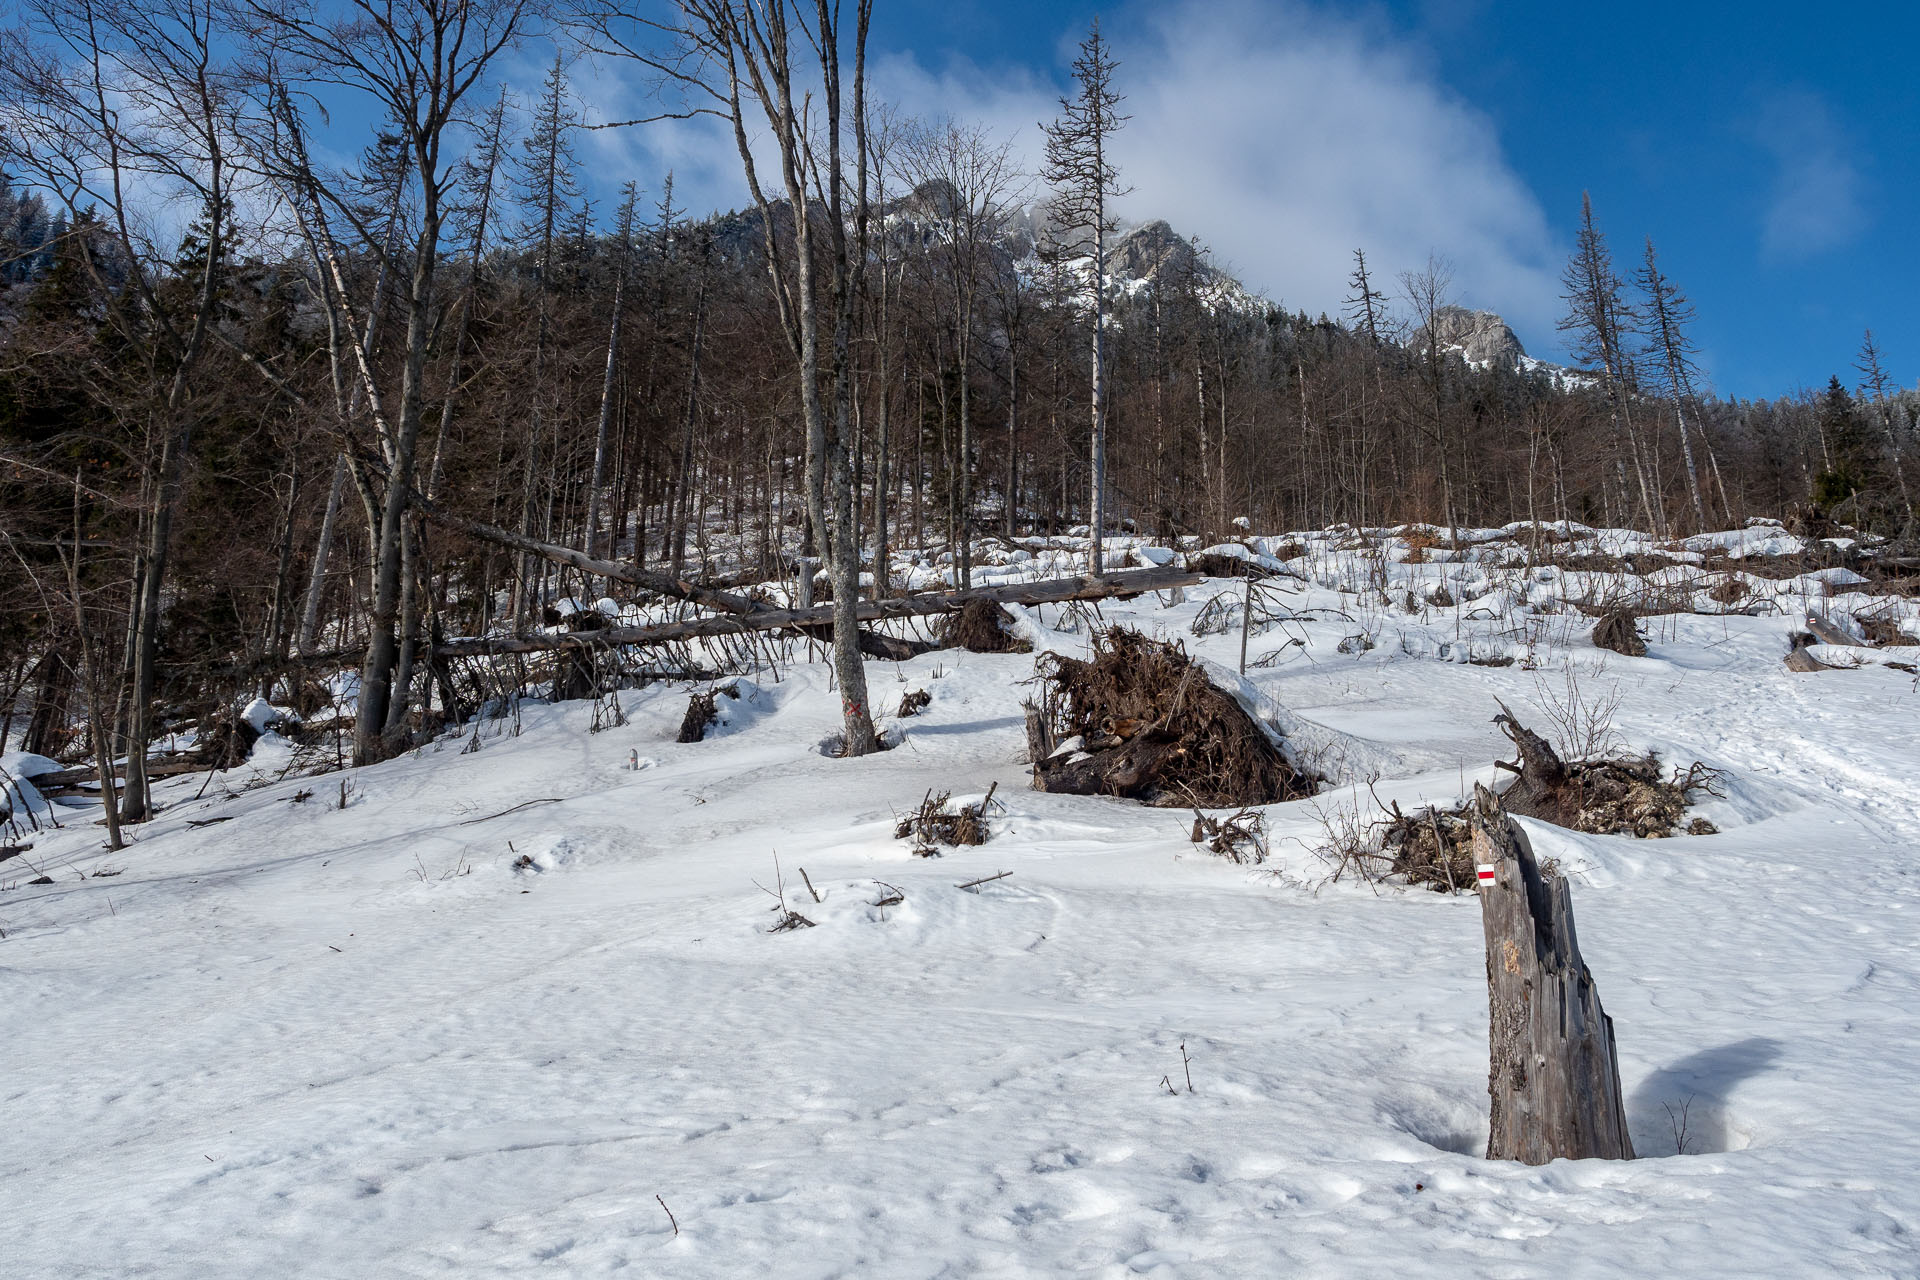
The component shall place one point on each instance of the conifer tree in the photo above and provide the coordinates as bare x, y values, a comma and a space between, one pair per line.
1665, 315
1079, 168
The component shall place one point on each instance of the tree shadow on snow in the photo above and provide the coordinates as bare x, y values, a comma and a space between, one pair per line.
1682, 1109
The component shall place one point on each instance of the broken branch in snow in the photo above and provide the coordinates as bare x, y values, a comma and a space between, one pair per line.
1239, 838
935, 823
524, 804
789, 919
974, 885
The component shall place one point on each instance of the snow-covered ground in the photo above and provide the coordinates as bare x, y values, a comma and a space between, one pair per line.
360, 1042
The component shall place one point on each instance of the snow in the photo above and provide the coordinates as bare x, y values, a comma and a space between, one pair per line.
1760, 540
360, 1041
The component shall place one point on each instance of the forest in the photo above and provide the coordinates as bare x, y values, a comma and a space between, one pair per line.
279, 399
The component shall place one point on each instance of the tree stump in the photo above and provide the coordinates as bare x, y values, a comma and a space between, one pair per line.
1553, 1075
576, 669
1827, 632
1616, 631
1543, 786
701, 712
1040, 743
1802, 661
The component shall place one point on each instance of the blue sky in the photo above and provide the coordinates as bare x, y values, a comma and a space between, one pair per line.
1769, 149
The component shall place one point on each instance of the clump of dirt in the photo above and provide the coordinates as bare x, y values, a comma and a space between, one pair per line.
934, 823
982, 626
1147, 724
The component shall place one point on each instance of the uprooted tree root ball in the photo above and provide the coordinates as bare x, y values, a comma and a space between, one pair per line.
1609, 796
1628, 795
1144, 722
981, 626
1432, 848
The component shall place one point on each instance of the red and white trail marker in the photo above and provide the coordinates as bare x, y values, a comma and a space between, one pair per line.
1486, 870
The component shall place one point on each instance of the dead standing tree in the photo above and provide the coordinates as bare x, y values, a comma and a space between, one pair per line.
1665, 314
1553, 1074
738, 60
1078, 168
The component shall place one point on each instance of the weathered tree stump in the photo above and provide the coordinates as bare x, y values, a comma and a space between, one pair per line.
701, 712
1616, 631
576, 671
1553, 1075
1121, 770
1040, 741
1827, 632
1802, 661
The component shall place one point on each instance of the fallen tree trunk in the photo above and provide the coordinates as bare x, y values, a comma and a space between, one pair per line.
1553, 1073
665, 584
1055, 591
157, 767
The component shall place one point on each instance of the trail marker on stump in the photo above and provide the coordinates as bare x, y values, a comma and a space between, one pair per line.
1552, 1074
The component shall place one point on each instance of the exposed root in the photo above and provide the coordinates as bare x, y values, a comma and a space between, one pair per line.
981, 626
1607, 796
1883, 631
1147, 724
1240, 839
1616, 631
1433, 847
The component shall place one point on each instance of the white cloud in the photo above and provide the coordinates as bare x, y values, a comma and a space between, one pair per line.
1816, 199
1286, 137
1283, 135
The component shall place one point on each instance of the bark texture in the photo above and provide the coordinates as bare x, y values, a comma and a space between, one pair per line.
1553, 1074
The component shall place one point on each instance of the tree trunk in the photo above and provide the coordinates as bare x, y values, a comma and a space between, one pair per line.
1553, 1074
1097, 457
135, 801
317, 579
383, 643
